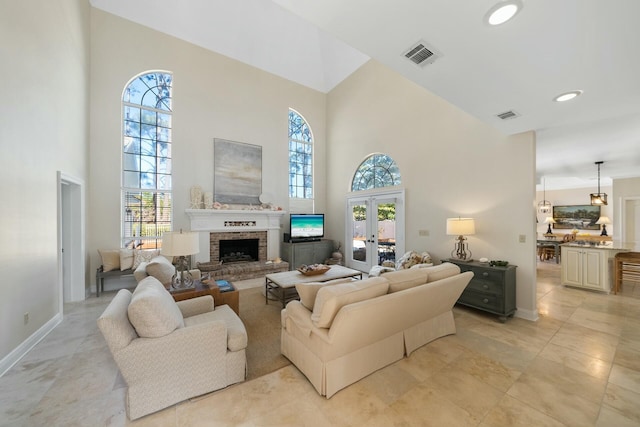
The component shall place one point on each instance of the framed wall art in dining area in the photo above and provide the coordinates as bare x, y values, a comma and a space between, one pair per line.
579, 217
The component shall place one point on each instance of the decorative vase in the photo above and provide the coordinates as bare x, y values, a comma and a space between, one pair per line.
208, 200
196, 197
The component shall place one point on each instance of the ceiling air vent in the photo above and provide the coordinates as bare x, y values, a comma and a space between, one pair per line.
421, 54
508, 115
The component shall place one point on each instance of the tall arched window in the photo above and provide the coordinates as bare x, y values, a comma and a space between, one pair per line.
300, 157
376, 171
146, 160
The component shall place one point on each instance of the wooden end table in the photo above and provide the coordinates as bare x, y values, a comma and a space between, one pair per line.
231, 298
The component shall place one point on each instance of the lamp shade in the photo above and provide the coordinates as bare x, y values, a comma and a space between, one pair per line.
180, 243
603, 220
549, 220
461, 226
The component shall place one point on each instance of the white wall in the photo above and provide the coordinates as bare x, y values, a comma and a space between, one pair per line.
623, 190
451, 165
214, 97
44, 75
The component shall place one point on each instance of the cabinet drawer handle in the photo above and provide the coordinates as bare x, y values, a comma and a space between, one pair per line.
485, 274
485, 286
486, 300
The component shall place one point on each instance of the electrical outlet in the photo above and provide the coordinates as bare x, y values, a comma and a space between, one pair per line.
423, 232
26, 318
522, 238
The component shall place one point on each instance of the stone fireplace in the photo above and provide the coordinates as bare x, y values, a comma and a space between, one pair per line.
237, 228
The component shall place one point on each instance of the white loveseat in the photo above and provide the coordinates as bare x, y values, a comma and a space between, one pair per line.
356, 328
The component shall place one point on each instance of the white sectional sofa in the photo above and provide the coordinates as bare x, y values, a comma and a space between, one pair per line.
352, 329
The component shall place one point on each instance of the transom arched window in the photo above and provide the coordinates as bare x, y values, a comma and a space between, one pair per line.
300, 157
376, 171
146, 160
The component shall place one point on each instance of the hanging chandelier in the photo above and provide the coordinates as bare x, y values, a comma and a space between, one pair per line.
544, 206
598, 199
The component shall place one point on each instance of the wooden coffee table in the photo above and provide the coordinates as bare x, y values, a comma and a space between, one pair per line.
283, 285
231, 298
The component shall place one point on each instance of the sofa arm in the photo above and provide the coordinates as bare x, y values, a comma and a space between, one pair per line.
179, 353
194, 306
296, 315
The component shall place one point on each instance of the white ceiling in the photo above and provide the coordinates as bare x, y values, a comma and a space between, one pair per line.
550, 47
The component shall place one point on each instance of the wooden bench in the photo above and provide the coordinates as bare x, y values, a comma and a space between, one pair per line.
101, 275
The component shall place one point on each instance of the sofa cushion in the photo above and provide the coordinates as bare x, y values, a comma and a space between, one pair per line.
162, 269
152, 311
110, 259
144, 255
308, 291
330, 299
405, 279
126, 259
442, 271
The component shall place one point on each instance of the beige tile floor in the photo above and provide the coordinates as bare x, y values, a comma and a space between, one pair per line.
579, 365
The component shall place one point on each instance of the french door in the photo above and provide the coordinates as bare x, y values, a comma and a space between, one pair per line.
374, 229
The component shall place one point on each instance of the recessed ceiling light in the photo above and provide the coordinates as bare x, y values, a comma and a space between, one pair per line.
503, 11
567, 96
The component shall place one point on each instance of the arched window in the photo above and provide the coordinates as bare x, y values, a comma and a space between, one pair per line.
376, 171
300, 157
146, 160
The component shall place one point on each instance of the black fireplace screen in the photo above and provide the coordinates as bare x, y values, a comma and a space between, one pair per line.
239, 250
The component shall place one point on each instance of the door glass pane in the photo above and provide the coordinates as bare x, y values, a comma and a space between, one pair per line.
386, 232
359, 227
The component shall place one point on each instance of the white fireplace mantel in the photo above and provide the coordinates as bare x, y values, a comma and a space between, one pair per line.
215, 220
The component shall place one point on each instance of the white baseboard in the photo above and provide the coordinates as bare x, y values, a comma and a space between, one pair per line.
531, 315
19, 352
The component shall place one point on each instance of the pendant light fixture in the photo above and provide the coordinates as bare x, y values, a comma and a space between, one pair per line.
598, 199
544, 206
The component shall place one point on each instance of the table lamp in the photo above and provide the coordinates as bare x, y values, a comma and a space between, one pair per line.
461, 227
181, 244
549, 220
604, 220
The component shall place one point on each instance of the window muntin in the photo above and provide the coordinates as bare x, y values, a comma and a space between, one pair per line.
146, 160
376, 171
300, 157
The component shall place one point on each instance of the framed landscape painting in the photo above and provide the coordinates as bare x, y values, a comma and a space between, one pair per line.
580, 217
237, 170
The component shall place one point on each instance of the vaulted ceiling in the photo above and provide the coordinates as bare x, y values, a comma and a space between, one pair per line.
549, 48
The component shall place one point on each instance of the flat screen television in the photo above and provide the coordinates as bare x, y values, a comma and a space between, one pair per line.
306, 226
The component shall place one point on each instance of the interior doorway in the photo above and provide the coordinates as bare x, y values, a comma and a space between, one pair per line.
375, 229
71, 231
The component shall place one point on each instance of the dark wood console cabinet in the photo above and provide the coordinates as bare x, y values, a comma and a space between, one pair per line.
492, 289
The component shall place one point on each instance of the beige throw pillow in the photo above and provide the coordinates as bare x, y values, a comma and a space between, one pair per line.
162, 269
110, 259
152, 310
331, 299
144, 255
404, 279
126, 259
308, 291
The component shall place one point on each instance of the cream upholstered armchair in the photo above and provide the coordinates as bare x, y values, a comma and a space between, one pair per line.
168, 352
